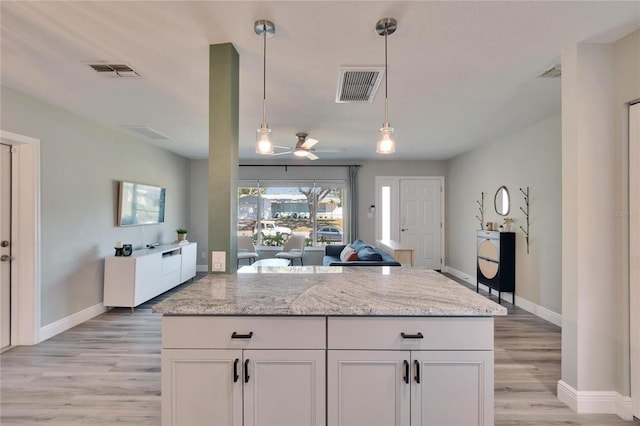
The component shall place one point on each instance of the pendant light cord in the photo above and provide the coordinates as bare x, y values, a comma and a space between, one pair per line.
386, 73
264, 76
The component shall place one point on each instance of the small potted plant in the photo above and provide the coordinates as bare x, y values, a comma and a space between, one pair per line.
182, 234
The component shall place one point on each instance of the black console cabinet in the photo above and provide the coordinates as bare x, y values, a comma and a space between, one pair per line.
496, 266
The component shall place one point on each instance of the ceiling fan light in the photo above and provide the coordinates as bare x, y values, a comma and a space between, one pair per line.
300, 152
264, 146
386, 144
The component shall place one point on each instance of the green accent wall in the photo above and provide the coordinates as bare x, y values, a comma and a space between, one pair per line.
224, 66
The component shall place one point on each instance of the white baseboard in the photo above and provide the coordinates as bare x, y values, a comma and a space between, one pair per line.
595, 402
71, 321
544, 313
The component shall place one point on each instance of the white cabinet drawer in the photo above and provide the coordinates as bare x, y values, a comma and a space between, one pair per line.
213, 332
171, 263
446, 333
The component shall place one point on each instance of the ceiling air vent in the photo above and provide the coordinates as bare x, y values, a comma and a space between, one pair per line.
553, 72
114, 70
148, 132
358, 84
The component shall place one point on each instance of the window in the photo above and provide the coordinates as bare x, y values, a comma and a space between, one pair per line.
386, 212
272, 211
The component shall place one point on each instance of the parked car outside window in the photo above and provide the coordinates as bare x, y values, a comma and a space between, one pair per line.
328, 233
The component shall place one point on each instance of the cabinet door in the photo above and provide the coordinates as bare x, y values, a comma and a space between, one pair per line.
201, 387
368, 388
189, 258
452, 388
148, 277
284, 387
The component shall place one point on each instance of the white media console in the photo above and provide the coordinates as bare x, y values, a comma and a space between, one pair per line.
132, 280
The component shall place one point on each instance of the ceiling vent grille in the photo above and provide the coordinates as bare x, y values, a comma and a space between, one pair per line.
553, 72
358, 84
148, 132
114, 70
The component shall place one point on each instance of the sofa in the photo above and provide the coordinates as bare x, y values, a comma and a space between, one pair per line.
367, 255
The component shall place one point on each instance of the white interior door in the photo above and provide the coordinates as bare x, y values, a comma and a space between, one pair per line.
5, 246
634, 255
421, 220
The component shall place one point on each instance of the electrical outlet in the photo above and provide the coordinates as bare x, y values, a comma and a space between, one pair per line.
218, 261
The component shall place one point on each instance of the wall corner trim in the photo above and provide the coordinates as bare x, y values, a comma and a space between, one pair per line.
71, 321
595, 402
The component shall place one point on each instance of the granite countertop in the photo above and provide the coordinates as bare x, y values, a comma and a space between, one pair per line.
329, 291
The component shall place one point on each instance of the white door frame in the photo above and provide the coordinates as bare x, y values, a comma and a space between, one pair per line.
25, 231
634, 254
394, 183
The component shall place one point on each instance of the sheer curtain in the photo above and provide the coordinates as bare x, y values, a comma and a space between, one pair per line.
352, 188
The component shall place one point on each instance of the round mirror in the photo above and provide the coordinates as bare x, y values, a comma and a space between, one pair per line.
501, 201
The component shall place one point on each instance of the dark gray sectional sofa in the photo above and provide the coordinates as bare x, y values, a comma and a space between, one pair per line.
371, 256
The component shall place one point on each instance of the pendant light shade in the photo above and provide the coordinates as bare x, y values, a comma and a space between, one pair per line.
264, 146
386, 143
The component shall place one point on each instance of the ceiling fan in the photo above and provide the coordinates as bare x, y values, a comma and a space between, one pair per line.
303, 147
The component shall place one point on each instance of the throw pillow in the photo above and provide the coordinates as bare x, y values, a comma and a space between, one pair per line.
368, 253
348, 254
357, 245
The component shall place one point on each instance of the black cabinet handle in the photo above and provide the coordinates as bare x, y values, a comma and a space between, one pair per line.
412, 336
235, 335
246, 371
417, 364
406, 371
236, 376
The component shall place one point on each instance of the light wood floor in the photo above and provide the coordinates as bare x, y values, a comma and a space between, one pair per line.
106, 371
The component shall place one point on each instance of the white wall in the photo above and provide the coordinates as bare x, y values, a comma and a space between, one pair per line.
530, 157
81, 163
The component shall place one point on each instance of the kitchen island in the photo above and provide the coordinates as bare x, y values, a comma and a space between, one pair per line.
327, 345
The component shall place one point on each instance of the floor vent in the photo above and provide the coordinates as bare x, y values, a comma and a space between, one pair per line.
114, 70
358, 84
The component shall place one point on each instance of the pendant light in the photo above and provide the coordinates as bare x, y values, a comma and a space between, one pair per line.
264, 146
386, 144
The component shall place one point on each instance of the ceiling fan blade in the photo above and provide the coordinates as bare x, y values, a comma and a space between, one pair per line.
329, 150
285, 150
309, 142
312, 156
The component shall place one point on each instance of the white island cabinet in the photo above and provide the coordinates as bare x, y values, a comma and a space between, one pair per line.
410, 371
243, 371
132, 280
327, 346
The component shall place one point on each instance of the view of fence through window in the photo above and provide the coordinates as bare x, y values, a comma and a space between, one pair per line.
272, 213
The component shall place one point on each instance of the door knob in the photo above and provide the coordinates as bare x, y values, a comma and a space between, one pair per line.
5, 258
4, 243
403, 229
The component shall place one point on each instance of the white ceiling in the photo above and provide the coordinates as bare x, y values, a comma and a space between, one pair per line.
460, 73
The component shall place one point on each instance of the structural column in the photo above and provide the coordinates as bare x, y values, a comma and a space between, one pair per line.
224, 66
591, 253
